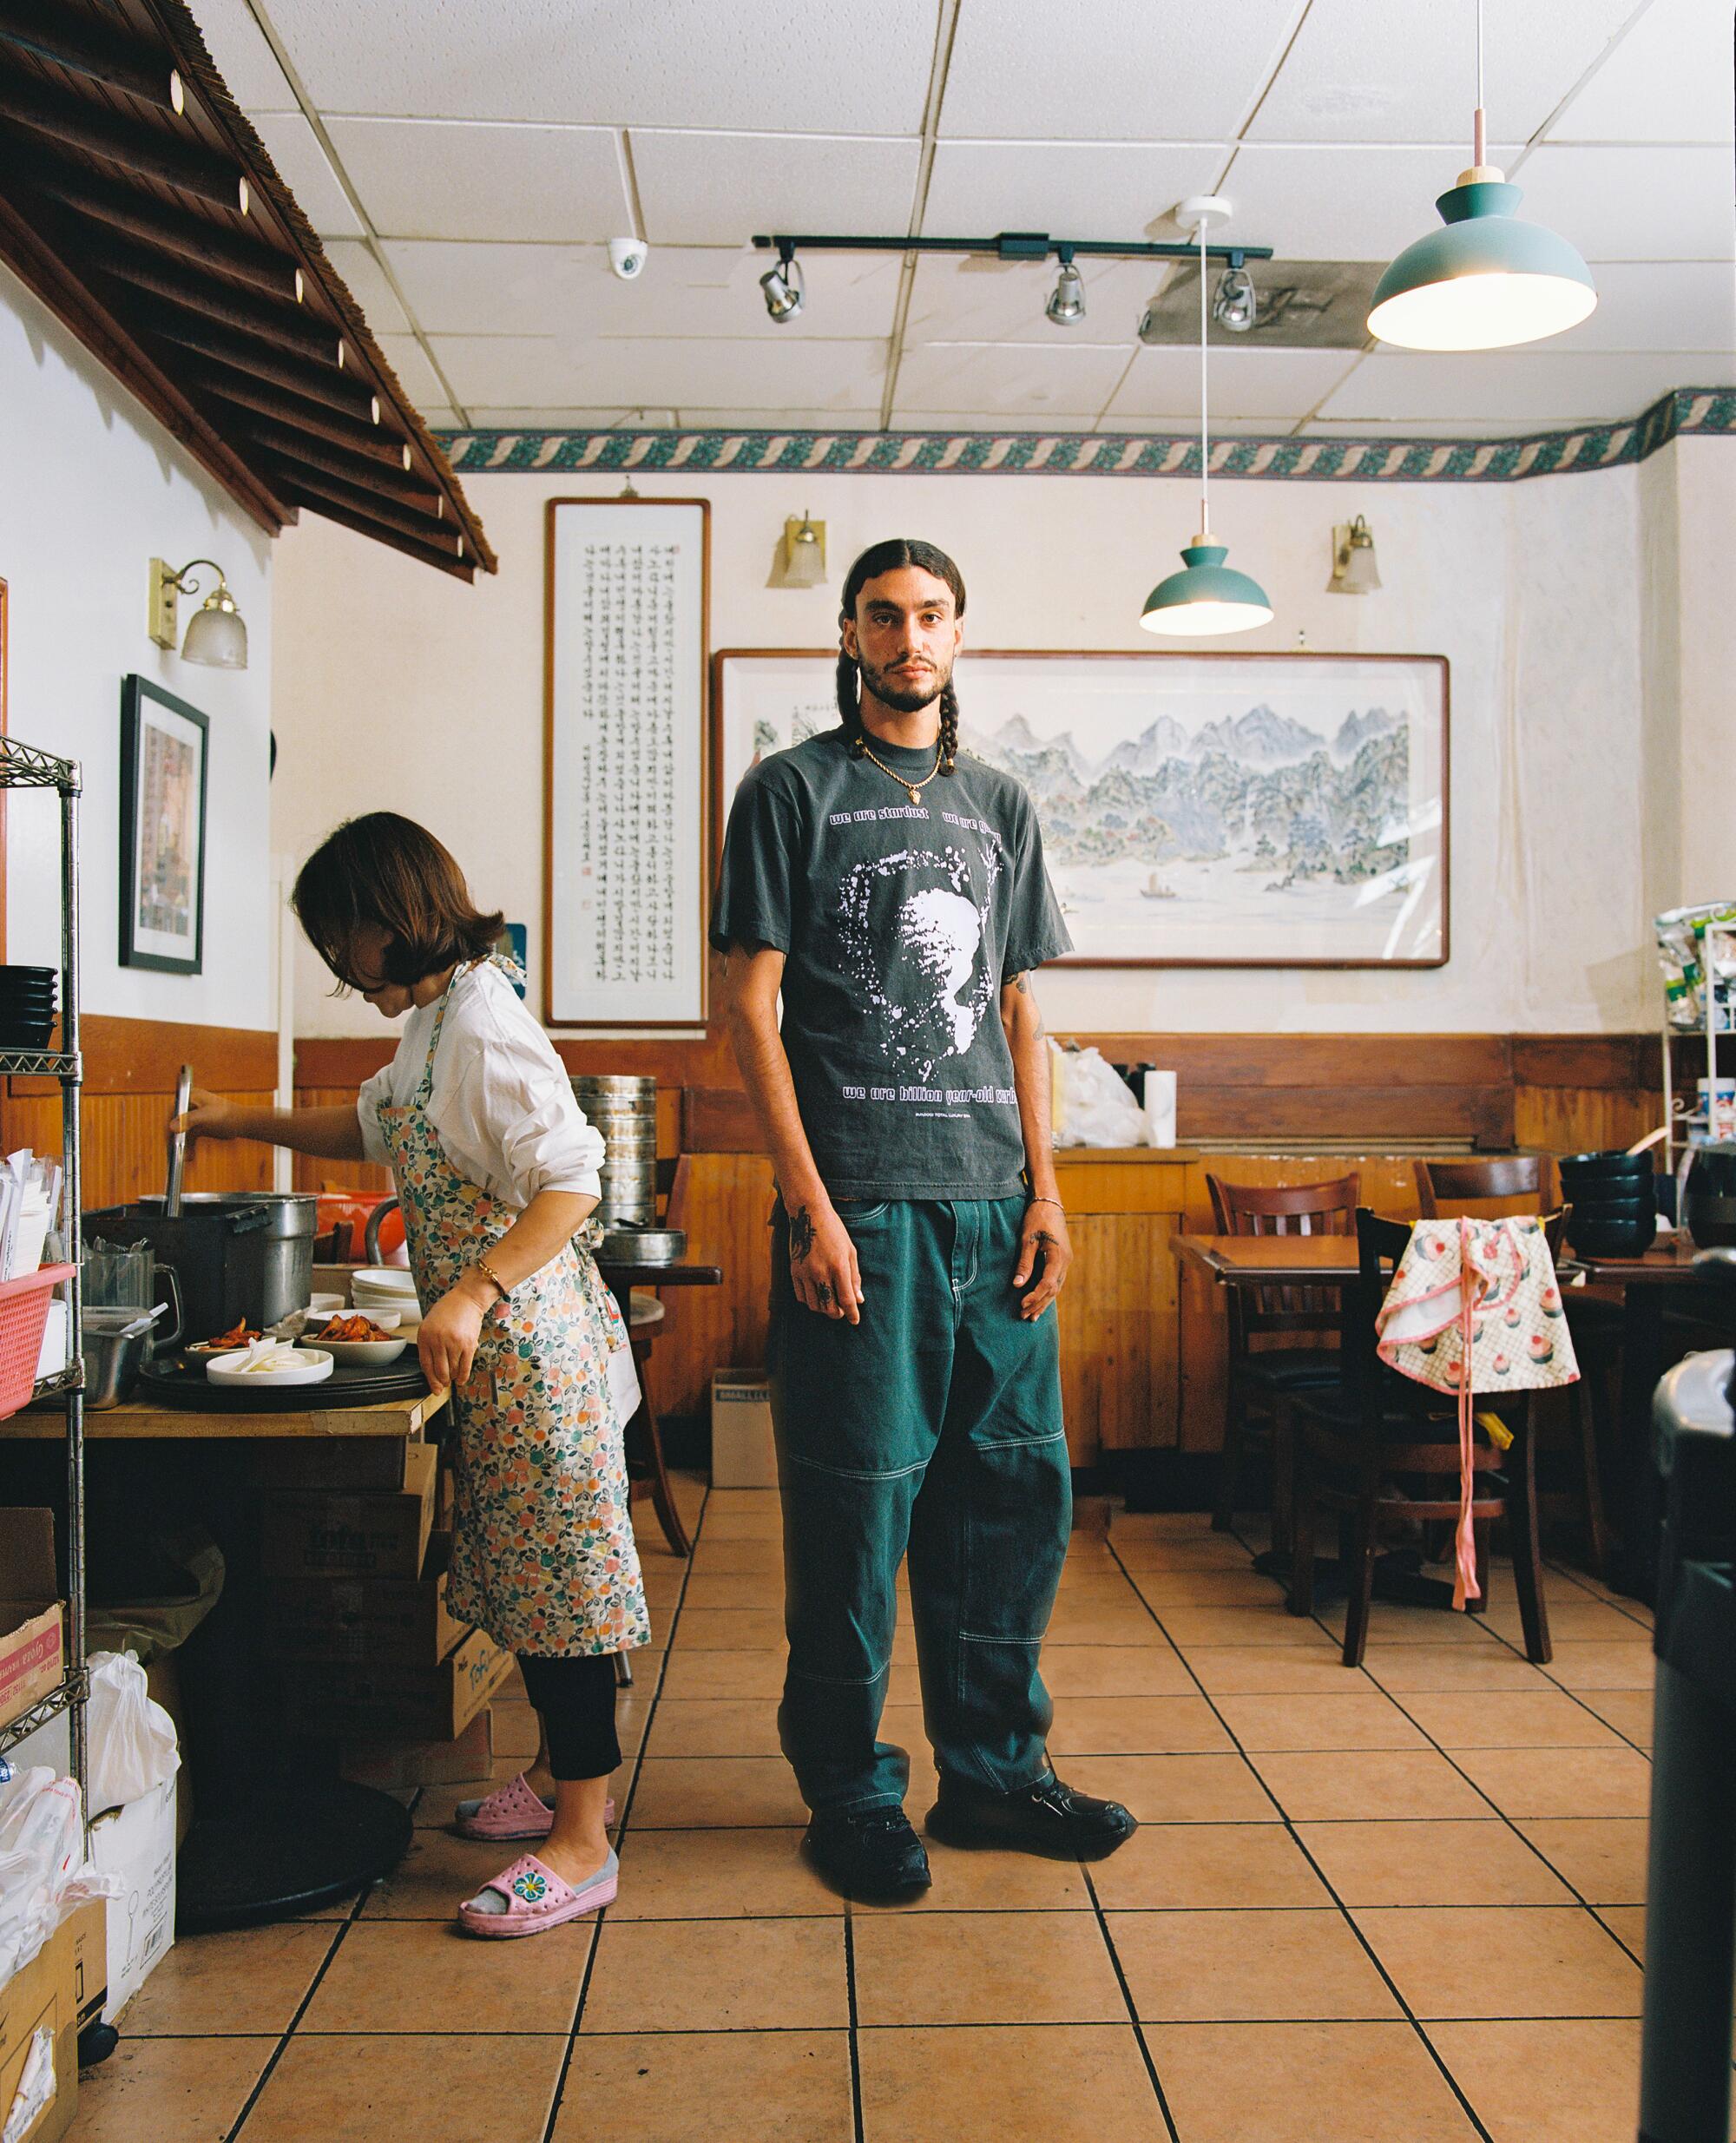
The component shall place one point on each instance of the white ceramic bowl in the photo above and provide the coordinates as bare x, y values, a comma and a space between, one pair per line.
383, 1279
327, 1305
313, 1369
367, 1353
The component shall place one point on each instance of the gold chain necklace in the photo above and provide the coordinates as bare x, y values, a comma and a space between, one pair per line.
915, 787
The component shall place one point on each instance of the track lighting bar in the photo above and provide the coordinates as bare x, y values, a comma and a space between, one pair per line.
1015, 246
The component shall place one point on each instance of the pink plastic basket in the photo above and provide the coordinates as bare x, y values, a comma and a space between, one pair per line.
24, 1313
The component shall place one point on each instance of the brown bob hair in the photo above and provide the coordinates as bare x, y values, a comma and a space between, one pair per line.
386, 869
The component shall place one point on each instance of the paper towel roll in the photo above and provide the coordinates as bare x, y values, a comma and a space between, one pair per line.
1160, 1106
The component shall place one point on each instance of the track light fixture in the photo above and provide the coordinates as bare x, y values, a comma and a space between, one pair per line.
1236, 305
783, 292
1067, 300
784, 288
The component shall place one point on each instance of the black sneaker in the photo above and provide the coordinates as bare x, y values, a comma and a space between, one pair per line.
1047, 1819
874, 1855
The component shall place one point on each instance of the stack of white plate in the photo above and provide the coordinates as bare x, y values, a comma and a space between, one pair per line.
390, 1288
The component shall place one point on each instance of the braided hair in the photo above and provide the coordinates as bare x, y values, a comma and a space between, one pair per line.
887, 557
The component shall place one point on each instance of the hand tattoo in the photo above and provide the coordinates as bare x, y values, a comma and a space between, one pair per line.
823, 1290
801, 1234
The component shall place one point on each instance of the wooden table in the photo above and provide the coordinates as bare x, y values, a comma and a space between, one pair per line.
1273, 1260
139, 1418
644, 1428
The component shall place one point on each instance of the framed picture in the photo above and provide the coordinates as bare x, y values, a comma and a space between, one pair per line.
624, 881
1219, 810
164, 763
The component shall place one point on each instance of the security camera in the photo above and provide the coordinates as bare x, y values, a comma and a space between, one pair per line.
627, 256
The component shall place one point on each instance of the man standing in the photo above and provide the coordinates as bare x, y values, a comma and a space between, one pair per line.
894, 893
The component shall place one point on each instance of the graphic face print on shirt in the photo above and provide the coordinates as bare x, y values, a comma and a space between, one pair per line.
913, 935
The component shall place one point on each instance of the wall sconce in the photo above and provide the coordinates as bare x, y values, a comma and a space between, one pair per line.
216, 635
1354, 571
803, 560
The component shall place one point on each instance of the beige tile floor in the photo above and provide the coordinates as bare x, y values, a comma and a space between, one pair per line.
1399, 1903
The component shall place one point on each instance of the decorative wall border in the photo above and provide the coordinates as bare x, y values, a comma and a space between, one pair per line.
1701, 410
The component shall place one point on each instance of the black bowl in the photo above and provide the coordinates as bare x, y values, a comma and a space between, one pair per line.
16, 985
1710, 1220
17, 974
1713, 1173
1609, 1206
1611, 1238
1587, 1168
18, 1034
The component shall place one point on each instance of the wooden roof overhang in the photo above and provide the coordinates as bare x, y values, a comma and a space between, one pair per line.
141, 208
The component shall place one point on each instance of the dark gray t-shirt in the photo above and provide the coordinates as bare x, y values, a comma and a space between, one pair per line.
899, 922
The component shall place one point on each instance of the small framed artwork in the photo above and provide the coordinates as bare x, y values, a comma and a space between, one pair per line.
163, 779
1198, 809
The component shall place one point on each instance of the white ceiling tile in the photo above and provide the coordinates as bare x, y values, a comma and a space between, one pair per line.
697, 419
438, 418
1112, 71
572, 419
1507, 389
808, 65
1405, 70
720, 189
242, 56
1660, 305
1437, 428
972, 298
415, 374
368, 286
302, 165
691, 291
1668, 80
1074, 189
1328, 201
1080, 422
1184, 427
1013, 378
437, 178
1633, 204
1268, 385
524, 371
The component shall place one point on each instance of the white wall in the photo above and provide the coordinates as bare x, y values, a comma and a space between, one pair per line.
398, 688
92, 488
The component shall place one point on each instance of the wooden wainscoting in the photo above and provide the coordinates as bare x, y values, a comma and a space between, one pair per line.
130, 1067
1143, 1344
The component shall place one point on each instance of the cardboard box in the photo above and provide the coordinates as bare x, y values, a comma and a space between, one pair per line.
353, 1463
316, 1533
137, 1844
30, 1650
392, 1766
743, 1452
54, 1994
422, 1704
363, 1621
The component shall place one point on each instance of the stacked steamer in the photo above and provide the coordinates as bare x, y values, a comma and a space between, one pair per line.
355, 1576
623, 1109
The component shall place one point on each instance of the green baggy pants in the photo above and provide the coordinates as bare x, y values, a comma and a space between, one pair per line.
933, 1426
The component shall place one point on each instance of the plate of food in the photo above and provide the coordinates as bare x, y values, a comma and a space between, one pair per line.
272, 1363
232, 1342
373, 1340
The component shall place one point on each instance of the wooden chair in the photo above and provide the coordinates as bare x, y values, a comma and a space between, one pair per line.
1358, 1440
1296, 1328
1521, 1182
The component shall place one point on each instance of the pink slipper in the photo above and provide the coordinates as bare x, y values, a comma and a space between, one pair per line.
514, 1811
527, 1898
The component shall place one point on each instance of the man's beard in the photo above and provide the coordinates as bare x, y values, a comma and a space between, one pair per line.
904, 699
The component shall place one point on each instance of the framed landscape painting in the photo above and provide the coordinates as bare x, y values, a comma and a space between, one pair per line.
1220, 809
163, 779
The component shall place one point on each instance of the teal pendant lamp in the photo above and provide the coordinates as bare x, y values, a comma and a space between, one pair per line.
1206, 597
1487, 281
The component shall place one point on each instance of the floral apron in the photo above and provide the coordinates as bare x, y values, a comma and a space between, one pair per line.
543, 1551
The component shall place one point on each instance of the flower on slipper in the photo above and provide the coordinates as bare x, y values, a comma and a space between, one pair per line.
530, 1887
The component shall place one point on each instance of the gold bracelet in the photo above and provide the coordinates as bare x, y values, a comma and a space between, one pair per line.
489, 1273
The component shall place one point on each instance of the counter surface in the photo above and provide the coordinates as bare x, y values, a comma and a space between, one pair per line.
139, 1419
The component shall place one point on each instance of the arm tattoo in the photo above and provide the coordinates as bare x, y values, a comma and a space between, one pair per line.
801, 1234
1021, 983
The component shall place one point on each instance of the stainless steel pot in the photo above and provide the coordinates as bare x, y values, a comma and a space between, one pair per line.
240, 1256
114, 1343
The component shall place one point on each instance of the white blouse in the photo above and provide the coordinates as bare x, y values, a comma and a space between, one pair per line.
502, 1104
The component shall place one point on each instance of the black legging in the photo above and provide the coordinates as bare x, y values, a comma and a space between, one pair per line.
575, 1698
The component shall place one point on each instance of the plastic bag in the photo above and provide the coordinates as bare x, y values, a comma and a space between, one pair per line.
132, 1740
43, 1873
1092, 1104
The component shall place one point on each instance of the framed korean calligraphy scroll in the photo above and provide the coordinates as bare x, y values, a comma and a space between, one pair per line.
624, 871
